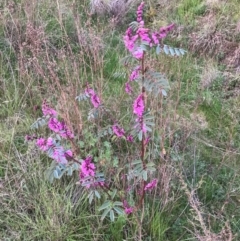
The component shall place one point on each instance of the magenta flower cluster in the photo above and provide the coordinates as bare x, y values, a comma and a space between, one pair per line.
127, 208
143, 35
49, 145
53, 150
118, 131
133, 76
87, 168
151, 185
140, 12
132, 40
47, 110
94, 97
135, 73
54, 124
60, 128
138, 106
128, 88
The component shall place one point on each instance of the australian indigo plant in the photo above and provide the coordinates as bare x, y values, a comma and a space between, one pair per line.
138, 41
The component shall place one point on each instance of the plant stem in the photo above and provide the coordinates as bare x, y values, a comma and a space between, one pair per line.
143, 136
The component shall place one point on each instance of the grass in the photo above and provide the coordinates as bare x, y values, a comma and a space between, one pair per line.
198, 192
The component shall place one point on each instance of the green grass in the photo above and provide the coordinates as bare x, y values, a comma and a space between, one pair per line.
189, 10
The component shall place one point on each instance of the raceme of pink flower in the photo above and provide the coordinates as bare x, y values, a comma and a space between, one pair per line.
118, 131
55, 152
87, 168
135, 73
60, 128
95, 100
155, 38
129, 39
50, 142
128, 88
130, 138
89, 91
138, 106
165, 30
65, 132
48, 110
143, 33
30, 137
42, 144
68, 153
59, 155
138, 53
151, 185
127, 208
140, 12
55, 125
142, 125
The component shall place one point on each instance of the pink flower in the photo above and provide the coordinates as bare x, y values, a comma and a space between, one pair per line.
127, 208
50, 142
30, 137
60, 128
59, 155
140, 124
138, 106
143, 34
130, 40
95, 100
141, 23
87, 168
135, 73
89, 91
130, 138
55, 125
48, 110
68, 153
155, 38
140, 12
65, 132
151, 185
165, 30
42, 144
118, 131
138, 54
128, 88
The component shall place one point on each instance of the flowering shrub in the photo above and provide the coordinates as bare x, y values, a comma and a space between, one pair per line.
118, 200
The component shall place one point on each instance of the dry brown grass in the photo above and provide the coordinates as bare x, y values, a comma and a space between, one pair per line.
209, 74
51, 72
233, 59
117, 9
217, 37
201, 219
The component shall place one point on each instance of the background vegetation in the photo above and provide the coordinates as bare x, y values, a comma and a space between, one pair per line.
50, 49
